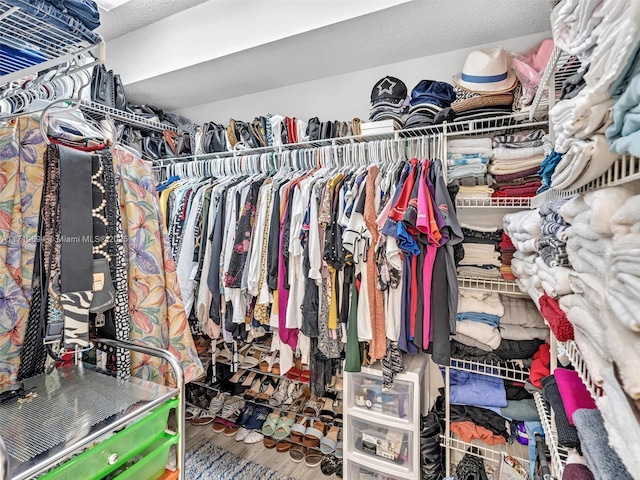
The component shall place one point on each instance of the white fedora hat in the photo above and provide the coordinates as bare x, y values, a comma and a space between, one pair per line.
487, 71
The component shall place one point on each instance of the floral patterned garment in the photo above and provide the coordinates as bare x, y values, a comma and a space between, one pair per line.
155, 306
21, 179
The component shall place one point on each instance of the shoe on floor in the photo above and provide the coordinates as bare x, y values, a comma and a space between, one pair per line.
241, 434
254, 436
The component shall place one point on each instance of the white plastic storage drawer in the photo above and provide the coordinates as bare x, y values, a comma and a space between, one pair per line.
392, 447
355, 471
367, 395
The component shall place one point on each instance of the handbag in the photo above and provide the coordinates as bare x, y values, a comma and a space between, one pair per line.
178, 144
120, 101
313, 129
213, 137
102, 86
153, 146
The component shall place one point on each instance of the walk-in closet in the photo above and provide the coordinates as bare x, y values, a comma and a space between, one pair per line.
286, 239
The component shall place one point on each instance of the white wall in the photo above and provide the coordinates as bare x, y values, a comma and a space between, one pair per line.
346, 96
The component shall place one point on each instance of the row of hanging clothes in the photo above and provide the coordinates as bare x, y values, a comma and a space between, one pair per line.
83, 252
343, 252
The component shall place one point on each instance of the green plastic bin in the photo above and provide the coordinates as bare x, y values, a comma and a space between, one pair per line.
153, 462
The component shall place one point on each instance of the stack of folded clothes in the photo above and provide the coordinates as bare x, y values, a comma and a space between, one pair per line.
468, 157
507, 249
522, 320
515, 163
478, 318
476, 191
389, 101
478, 106
430, 104
481, 257
624, 133
524, 228
552, 244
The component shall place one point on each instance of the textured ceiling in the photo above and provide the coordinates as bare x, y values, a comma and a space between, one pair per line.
416, 29
139, 13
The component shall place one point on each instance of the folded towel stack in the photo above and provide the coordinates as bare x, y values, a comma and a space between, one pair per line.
467, 157
477, 191
604, 35
481, 257
515, 162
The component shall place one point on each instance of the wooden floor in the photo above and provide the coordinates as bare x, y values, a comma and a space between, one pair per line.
280, 462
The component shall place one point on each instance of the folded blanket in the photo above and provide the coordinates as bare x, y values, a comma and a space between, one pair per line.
548, 167
501, 153
557, 278
553, 206
480, 416
517, 182
605, 203
585, 324
558, 322
480, 301
567, 433
589, 286
479, 272
455, 159
591, 356
481, 142
461, 171
517, 138
583, 260
474, 192
470, 150
463, 351
573, 26
480, 261
470, 342
488, 249
626, 216
573, 392
504, 167
469, 431
526, 190
520, 311
508, 177
585, 160
621, 421
622, 345
527, 221
623, 298
492, 320
494, 235
517, 349
522, 268
603, 461
573, 208
579, 118
484, 333
518, 332
521, 410
624, 133
475, 389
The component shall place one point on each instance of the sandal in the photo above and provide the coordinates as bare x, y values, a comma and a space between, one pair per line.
338, 416
269, 442
267, 389
338, 471
252, 359
299, 402
232, 408
281, 393
305, 376
224, 355
275, 364
293, 392
283, 428
330, 441
257, 419
271, 424
328, 465
313, 407
191, 413
297, 453
326, 414
314, 435
220, 425
265, 363
283, 446
254, 390
313, 458
298, 429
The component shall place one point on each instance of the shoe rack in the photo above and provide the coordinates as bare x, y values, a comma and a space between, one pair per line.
382, 426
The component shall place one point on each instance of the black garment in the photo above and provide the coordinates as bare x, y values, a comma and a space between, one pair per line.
472, 354
273, 254
515, 392
310, 303
441, 348
285, 238
480, 416
213, 279
567, 433
517, 349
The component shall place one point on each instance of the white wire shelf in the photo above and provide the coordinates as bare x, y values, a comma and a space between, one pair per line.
507, 370
575, 357
41, 44
490, 453
549, 196
561, 66
468, 127
624, 170
98, 110
493, 285
558, 454
494, 202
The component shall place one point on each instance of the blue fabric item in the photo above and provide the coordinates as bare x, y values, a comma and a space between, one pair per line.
49, 13
436, 93
484, 78
477, 390
620, 84
405, 241
466, 159
532, 428
84, 10
170, 180
257, 419
461, 171
404, 342
548, 166
14, 59
624, 133
492, 320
